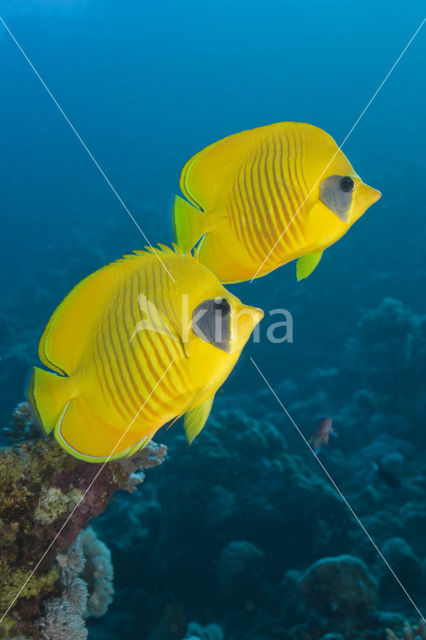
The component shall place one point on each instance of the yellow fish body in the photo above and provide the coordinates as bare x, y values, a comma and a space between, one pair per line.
130, 350
263, 197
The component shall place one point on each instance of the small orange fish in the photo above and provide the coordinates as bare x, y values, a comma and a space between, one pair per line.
321, 436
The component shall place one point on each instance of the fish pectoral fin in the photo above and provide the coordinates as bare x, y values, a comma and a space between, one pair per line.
189, 223
196, 418
308, 263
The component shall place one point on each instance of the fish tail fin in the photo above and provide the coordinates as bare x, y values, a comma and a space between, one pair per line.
189, 223
48, 394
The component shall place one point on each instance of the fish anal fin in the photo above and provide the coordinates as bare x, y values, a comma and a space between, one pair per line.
307, 264
87, 437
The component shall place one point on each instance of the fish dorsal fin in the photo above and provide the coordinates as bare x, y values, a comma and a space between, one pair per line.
207, 177
307, 264
203, 177
196, 418
72, 323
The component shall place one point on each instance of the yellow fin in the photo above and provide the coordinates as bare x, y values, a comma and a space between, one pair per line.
91, 439
308, 263
196, 418
69, 328
48, 394
189, 223
204, 179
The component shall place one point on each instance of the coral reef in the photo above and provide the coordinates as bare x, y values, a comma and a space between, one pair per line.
233, 528
42, 511
340, 587
221, 528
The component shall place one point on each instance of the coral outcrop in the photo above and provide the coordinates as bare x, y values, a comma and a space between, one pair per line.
339, 587
46, 498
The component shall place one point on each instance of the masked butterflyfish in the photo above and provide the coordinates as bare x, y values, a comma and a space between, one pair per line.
261, 198
139, 343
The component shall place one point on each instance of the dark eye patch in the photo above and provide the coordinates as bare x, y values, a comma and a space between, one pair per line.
336, 193
347, 184
222, 306
211, 321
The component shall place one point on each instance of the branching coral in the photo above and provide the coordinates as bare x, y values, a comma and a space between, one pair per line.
196, 632
98, 573
42, 489
86, 575
22, 426
409, 633
62, 622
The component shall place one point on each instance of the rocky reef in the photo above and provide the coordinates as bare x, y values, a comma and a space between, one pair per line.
53, 571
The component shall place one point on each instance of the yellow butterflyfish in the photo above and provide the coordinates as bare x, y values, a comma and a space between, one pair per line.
129, 350
261, 198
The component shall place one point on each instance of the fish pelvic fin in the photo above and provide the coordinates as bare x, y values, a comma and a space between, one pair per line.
48, 394
189, 223
307, 264
196, 418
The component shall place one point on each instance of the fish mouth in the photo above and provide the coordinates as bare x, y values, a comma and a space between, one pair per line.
368, 195
257, 315
245, 320
364, 197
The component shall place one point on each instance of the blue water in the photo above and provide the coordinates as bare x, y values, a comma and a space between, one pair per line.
146, 85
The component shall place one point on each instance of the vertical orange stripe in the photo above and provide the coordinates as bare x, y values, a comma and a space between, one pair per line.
292, 168
102, 346
143, 382
117, 366
256, 240
141, 340
291, 232
277, 204
265, 218
242, 216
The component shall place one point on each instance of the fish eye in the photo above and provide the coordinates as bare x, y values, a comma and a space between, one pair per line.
346, 184
337, 192
222, 306
211, 321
